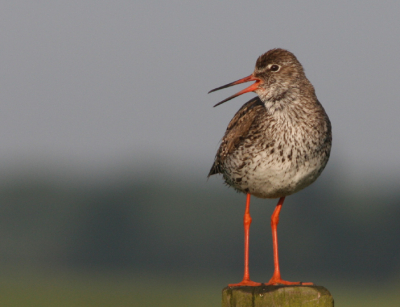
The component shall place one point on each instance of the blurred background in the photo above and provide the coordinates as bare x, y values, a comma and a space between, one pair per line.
107, 135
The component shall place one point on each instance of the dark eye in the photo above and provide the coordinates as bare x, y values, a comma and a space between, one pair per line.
274, 67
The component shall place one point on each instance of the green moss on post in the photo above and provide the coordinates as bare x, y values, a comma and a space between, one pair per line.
277, 296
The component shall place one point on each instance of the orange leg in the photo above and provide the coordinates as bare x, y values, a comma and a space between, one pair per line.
246, 221
276, 278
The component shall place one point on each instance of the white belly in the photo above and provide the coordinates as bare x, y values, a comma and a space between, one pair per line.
271, 176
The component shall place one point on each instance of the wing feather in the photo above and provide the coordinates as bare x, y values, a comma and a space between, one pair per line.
237, 130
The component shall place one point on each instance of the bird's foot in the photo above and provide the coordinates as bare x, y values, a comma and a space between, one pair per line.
246, 283
278, 281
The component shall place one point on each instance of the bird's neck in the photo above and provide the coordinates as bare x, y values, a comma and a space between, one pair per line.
278, 100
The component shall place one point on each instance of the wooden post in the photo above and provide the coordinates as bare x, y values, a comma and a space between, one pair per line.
277, 296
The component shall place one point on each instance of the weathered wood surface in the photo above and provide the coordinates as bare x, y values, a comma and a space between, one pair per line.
277, 296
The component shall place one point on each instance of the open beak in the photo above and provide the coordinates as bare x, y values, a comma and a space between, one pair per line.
251, 88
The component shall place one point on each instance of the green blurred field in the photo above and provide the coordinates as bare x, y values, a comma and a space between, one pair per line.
95, 245
61, 290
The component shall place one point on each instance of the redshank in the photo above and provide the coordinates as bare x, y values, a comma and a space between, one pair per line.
276, 144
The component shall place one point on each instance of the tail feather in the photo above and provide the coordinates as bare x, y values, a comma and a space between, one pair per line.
215, 169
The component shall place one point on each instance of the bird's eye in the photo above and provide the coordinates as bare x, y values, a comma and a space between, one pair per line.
274, 67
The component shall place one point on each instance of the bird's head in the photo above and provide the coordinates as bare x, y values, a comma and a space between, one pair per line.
275, 73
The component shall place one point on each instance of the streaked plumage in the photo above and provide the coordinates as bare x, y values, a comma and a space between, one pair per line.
278, 143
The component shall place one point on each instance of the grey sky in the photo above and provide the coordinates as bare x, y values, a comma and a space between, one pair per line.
94, 85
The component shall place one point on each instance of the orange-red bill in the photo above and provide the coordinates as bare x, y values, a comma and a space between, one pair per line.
251, 88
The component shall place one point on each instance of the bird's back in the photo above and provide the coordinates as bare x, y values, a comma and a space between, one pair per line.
236, 132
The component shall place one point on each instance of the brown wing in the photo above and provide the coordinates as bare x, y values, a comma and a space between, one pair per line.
237, 130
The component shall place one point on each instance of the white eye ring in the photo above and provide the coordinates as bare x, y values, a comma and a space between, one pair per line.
274, 67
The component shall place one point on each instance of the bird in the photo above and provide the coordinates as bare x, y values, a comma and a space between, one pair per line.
277, 144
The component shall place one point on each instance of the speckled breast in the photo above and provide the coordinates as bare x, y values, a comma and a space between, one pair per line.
278, 165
